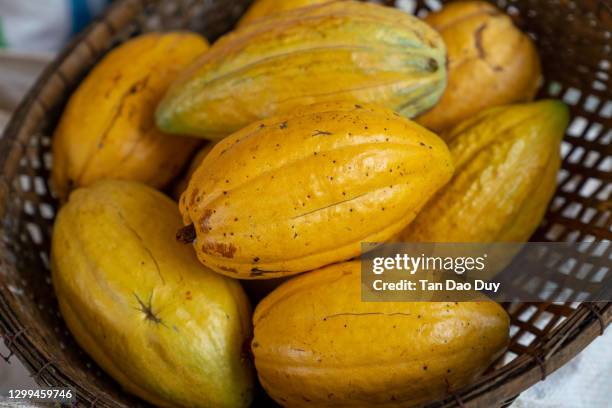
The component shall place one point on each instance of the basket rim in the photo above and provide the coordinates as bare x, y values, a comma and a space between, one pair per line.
569, 338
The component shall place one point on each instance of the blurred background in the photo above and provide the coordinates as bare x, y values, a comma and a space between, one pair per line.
33, 31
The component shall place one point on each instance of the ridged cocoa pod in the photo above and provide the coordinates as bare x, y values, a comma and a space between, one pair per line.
343, 50
506, 159
296, 192
490, 63
316, 344
107, 130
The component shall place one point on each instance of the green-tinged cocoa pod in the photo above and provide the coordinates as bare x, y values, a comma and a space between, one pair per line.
343, 50
299, 191
162, 325
506, 160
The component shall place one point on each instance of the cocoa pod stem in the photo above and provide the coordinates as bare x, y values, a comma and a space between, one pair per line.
187, 234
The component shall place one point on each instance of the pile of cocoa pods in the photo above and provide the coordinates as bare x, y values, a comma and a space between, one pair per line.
312, 127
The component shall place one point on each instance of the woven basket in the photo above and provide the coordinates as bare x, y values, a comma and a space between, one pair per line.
574, 40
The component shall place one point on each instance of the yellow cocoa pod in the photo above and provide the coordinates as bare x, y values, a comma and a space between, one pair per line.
264, 8
317, 345
296, 192
343, 50
108, 131
507, 159
490, 62
162, 325
181, 185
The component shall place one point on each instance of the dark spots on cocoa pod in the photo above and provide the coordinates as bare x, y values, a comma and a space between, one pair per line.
255, 344
256, 259
235, 219
261, 126
295, 234
188, 295
321, 133
305, 399
424, 368
220, 248
194, 195
225, 193
330, 395
358, 106
283, 125
186, 235
205, 223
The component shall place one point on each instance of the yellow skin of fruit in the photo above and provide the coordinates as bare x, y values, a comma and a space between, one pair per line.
107, 130
166, 328
181, 185
506, 160
293, 193
490, 63
316, 344
343, 50
265, 8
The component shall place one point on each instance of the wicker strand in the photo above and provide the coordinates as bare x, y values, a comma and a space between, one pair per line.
452, 393
41, 369
9, 340
593, 309
541, 362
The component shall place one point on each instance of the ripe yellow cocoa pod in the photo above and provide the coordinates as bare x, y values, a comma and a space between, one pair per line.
162, 325
507, 159
317, 345
343, 50
264, 8
107, 130
490, 63
181, 185
296, 192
